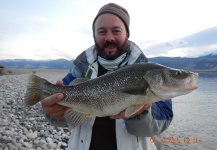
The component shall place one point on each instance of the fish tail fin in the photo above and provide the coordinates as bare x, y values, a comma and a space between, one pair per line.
34, 92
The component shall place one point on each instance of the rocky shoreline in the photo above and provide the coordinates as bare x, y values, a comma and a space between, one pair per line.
25, 129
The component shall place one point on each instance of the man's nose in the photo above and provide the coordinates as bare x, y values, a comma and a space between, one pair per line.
109, 36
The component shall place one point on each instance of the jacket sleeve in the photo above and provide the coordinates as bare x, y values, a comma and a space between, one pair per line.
151, 122
56, 123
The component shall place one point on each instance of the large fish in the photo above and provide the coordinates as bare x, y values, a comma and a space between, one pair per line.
129, 88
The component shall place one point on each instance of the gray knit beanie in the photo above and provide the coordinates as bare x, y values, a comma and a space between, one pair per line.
117, 10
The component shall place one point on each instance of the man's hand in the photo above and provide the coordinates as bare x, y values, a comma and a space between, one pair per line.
121, 115
50, 106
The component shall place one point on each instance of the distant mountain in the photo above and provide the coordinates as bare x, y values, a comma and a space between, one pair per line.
26, 63
199, 63
211, 55
207, 62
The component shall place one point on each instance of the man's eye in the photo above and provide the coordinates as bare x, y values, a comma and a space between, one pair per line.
117, 31
101, 32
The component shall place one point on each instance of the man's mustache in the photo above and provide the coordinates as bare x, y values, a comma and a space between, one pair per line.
110, 44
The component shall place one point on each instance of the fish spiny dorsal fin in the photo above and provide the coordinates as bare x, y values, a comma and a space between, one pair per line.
34, 90
78, 81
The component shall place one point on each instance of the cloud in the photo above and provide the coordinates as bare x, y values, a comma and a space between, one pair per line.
9, 54
63, 29
15, 23
84, 30
193, 51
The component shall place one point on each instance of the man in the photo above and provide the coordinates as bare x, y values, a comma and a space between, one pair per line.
112, 50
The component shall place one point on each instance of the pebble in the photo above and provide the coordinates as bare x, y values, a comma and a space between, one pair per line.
24, 129
32, 135
28, 145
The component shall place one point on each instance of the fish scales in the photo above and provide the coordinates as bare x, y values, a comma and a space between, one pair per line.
94, 89
127, 88
103, 92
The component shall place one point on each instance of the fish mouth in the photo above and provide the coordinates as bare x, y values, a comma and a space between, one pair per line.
192, 81
192, 87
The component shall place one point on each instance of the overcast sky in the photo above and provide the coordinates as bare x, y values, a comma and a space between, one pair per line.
52, 29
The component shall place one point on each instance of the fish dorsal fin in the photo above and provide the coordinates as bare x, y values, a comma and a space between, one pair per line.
78, 80
74, 118
132, 110
110, 71
116, 69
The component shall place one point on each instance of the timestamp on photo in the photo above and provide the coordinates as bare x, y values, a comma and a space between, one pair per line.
175, 140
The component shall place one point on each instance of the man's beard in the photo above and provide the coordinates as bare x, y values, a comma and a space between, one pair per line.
120, 49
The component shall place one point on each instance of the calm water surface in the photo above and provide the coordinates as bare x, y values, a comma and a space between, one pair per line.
194, 126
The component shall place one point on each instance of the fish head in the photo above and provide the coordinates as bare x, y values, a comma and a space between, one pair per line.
168, 83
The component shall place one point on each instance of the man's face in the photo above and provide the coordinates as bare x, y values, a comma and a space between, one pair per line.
110, 36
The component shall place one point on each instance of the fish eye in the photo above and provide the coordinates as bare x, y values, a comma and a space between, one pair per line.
178, 73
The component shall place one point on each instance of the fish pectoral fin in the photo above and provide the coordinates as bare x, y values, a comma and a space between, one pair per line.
74, 118
134, 90
132, 110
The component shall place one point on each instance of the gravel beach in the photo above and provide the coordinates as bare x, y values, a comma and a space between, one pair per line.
22, 129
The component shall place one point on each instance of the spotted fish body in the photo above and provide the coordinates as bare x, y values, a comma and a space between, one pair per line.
127, 88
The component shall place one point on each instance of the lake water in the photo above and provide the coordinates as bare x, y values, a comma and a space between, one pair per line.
194, 126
